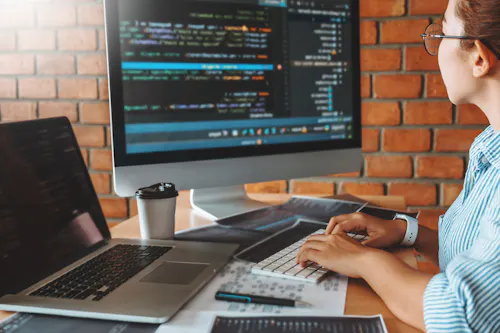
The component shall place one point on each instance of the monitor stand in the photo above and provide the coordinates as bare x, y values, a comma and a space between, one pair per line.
221, 202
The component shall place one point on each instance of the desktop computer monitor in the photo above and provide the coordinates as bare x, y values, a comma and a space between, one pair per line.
211, 94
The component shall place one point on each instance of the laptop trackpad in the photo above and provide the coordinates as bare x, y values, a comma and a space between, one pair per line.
175, 273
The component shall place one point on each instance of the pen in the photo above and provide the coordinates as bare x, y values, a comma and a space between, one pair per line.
254, 299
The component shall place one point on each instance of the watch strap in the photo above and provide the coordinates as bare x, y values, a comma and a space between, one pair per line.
411, 229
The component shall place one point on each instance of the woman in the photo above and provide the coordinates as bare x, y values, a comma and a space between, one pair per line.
464, 297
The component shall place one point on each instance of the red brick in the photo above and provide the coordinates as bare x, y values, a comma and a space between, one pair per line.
41, 88
317, 188
114, 207
101, 182
435, 86
426, 7
429, 113
417, 59
91, 15
371, 140
430, 217
30, 40
368, 31
92, 64
102, 40
407, 140
415, 194
17, 111
380, 59
450, 192
78, 88
101, 159
403, 31
389, 166
54, 64
471, 115
268, 187
58, 109
345, 175
103, 89
455, 140
398, 86
382, 8
94, 113
8, 88
15, 16
90, 136
77, 40
109, 137
12, 64
85, 156
56, 16
366, 86
446, 167
7, 41
362, 188
380, 113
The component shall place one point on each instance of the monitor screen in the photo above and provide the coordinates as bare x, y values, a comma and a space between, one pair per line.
198, 79
49, 211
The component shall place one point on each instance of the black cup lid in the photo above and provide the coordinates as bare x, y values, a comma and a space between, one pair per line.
157, 191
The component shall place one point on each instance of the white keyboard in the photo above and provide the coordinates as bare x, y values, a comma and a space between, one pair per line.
284, 263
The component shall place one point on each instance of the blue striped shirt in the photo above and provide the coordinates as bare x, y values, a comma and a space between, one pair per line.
465, 296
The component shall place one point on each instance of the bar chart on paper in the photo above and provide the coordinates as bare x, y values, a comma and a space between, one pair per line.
298, 324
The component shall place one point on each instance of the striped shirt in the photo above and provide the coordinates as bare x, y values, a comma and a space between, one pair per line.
465, 296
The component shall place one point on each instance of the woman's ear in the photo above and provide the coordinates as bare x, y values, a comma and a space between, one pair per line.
484, 60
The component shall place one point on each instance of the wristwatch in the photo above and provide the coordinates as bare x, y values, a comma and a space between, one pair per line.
411, 229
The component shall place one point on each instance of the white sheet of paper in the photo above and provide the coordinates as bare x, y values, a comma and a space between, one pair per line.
328, 296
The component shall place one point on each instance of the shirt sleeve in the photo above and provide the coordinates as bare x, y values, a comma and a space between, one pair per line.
465, 297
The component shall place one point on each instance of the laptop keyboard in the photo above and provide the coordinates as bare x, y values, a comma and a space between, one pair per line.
101, 275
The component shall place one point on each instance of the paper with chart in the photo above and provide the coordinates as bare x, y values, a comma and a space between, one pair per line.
203, 322
328, 296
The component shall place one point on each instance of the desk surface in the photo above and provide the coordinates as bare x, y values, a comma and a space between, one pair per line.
361, 299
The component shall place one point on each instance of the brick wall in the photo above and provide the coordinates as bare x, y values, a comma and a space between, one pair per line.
52, 62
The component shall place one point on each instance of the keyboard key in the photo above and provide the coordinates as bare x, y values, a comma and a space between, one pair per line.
294, 270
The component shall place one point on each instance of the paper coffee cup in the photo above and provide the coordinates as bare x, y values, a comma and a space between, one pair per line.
156, 206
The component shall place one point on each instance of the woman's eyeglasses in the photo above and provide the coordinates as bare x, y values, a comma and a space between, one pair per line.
434, 35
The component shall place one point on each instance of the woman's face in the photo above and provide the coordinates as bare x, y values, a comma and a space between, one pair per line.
454, 62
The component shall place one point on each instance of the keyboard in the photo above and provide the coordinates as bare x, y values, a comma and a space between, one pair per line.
283, 264
99, 276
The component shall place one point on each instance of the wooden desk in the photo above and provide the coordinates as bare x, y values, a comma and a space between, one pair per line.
361, 299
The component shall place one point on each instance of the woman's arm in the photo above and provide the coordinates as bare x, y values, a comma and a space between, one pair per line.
427, 244
401, 287
385, 233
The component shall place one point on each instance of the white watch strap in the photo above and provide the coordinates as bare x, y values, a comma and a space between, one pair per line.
411, 229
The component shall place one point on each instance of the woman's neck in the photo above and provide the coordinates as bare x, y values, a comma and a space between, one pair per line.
489, 103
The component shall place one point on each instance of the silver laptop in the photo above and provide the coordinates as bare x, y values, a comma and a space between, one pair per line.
56, 253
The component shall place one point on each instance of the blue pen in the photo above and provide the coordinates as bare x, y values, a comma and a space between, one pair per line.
254, 299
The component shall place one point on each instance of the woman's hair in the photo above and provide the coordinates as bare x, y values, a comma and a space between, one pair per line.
481, 19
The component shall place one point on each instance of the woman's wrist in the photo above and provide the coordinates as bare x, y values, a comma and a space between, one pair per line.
400, 227
369, 261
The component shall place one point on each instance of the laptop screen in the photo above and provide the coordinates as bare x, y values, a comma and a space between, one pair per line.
49, 211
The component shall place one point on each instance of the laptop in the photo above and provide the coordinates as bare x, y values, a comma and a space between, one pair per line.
56, 252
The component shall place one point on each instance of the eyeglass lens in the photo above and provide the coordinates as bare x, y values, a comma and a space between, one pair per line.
432, 43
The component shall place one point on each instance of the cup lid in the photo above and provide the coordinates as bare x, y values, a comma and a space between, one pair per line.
157, 191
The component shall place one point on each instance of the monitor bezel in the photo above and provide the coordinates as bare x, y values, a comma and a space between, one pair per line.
122, 159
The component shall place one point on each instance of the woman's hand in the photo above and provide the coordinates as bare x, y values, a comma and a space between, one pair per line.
337, 252
382, 233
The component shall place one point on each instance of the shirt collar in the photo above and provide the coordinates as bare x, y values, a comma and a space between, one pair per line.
489, 146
